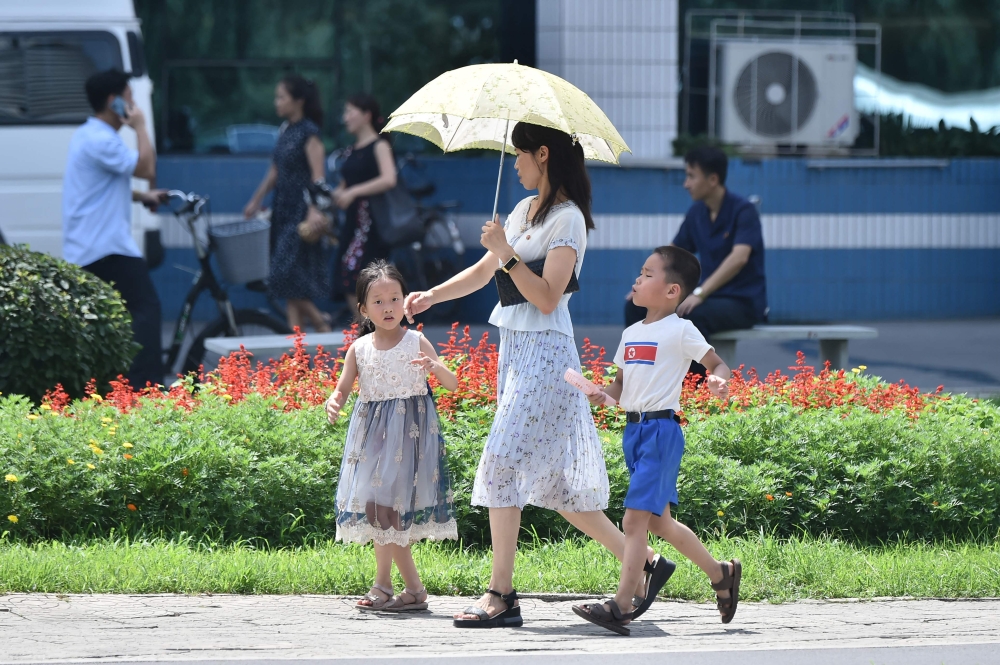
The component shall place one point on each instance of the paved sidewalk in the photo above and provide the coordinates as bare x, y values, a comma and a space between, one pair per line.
49, 628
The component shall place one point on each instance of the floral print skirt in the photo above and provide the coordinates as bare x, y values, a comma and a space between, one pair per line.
543, 448
394, 485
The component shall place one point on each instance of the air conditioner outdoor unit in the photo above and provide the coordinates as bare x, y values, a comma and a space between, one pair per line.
787, 92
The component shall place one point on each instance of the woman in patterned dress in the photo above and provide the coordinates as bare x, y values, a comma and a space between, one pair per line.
368, 169
543, 448
299, 258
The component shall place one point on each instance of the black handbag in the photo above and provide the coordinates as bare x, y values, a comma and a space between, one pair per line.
395, 215
509, 295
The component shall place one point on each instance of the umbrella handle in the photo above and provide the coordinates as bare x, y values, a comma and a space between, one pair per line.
503, 153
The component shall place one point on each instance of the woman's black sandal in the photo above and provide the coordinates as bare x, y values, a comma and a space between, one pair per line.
730, 583
615, 620
509, 618
657, 574
637, 600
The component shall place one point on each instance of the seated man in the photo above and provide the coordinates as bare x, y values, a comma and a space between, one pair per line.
724, 230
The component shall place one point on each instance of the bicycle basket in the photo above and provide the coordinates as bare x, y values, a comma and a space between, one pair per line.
243, 250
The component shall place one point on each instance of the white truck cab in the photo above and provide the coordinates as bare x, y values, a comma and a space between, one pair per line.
48, 48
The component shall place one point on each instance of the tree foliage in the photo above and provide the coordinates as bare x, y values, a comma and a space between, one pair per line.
387, 47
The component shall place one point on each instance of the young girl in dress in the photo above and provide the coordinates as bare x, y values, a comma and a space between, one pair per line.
394, 486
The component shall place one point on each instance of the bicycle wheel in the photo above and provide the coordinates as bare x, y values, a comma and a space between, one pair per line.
248, 322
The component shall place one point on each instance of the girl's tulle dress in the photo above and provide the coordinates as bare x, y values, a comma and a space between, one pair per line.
394, 484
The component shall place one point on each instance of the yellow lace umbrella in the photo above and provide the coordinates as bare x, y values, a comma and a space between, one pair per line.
474, 106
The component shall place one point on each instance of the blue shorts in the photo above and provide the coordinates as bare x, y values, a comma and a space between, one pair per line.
653, 451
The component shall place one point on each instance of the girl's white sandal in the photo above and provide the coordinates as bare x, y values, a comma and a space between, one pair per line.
378, 604
399, 605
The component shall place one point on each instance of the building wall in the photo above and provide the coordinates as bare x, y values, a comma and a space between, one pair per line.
624, 54
882, 240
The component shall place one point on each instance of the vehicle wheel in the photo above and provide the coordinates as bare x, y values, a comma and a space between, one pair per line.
248, 322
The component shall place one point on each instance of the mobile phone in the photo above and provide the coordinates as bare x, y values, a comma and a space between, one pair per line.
118, 106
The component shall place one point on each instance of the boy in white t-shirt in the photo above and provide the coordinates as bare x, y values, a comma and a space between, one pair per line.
653, 359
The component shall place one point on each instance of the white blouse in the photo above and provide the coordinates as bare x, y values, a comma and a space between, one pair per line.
564, 226
389, 374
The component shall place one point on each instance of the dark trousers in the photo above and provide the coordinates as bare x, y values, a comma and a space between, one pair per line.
130, 276
716, 314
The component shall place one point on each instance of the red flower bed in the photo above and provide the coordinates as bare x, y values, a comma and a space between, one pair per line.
297, 380
806, 389
476, 369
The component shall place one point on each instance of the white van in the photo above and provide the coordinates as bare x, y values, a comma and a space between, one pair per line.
48, 48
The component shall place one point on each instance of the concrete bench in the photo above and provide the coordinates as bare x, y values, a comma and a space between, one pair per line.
266, 347
832, 340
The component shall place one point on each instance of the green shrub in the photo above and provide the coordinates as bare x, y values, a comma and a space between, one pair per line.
897, 138
250, 471
686, 142
58, 324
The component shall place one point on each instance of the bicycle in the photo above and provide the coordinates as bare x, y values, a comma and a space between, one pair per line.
442, 250
231, 322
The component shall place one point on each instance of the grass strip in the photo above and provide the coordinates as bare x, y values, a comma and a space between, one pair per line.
774, 570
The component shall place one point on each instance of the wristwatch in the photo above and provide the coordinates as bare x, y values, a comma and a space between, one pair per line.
511, 262
697, 292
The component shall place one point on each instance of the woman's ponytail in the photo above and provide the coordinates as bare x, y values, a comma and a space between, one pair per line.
307, 91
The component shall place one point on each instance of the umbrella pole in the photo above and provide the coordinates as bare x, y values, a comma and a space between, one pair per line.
503, 153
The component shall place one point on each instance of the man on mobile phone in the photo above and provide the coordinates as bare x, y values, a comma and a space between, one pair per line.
97, 210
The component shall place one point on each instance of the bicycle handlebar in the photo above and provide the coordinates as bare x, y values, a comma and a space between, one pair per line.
192, 202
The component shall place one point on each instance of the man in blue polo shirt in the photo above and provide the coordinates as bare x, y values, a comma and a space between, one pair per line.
97, 210
724, 230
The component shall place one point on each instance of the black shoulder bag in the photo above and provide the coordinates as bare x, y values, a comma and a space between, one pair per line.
395, 215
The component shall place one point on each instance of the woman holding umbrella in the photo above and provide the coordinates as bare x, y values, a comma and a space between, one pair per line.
543, 448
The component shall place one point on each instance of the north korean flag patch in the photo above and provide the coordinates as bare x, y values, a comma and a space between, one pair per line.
640, 353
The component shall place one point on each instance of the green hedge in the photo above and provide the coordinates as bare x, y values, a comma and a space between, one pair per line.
248, 471
58, 324
897, 138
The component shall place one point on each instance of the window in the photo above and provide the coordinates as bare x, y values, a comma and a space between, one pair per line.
136, 54
42, 74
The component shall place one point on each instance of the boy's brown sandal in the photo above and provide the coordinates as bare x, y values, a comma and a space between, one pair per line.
730, 582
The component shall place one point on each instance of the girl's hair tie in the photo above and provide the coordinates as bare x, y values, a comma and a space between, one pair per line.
574, 138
